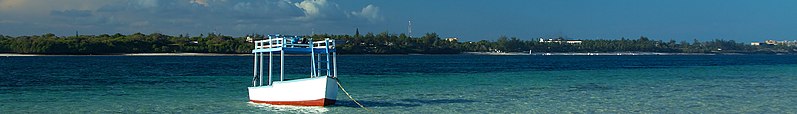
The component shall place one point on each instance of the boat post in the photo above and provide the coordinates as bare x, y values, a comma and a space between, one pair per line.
312, 58
282, 60
334, 61
270, 45
260, 64
326, 43
318, 66
260, 55
254, 70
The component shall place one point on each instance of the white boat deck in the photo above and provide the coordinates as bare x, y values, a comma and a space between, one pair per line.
294, 45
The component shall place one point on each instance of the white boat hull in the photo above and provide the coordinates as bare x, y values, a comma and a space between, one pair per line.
316, 91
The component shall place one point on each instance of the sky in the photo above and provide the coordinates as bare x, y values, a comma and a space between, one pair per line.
468, 20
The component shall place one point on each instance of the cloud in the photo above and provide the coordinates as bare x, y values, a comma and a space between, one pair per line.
37, 8
8, 22
8, 4
315, 9
72, 13
148, 3
200, 2
180, 16
370, 12
141, 23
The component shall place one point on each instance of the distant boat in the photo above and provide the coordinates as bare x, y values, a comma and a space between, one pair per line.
319, 89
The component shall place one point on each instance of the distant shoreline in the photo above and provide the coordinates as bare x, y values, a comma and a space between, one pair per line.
464, 53
128, 54
603, 53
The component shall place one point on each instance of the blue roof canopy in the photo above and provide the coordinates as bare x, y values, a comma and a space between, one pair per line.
293, 50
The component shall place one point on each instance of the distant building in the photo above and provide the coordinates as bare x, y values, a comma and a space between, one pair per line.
560, 40
249, 39
573, 41
452, 39
788, 43
773, 42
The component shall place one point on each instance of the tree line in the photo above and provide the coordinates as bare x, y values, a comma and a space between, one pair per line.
118, 43
370, 43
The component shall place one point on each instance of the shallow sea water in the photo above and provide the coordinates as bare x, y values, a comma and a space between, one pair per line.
411, 84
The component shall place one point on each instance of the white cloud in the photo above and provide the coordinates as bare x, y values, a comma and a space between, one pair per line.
314, 9
200, 2
369, 12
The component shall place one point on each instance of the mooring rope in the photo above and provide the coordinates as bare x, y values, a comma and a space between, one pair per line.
352, 98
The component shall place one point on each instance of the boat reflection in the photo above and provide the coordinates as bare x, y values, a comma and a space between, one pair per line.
289, 108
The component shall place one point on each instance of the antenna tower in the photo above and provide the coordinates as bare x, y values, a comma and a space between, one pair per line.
409, 27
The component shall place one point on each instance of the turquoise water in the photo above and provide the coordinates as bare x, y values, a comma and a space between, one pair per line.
410, 84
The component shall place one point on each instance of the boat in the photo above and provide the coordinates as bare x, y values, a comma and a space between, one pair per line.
318, 89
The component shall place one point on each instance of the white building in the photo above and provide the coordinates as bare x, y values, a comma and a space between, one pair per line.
773, 42
560, 41
249, 39
452, 39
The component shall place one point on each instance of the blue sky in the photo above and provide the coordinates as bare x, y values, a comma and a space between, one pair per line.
741, 20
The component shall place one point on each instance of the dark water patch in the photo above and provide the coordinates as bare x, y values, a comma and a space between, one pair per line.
535, 88
481, 64
520, 93
717, 97
115, 94
379, 97
434, 94
401, 103
348, 103
373, 83
101, 81
61, 89
649, 66
589, 87
694, 106
438, 101
8, 90
704, 87
677, 90
660, 96
507, 96
483, 84
760, 86
359, 65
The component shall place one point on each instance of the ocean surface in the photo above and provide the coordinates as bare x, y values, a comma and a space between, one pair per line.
409, 84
